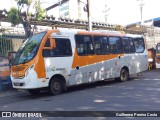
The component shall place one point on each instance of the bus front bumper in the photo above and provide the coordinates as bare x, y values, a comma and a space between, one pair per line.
28, 82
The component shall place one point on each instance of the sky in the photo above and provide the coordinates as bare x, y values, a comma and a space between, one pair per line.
127, 11
121, 11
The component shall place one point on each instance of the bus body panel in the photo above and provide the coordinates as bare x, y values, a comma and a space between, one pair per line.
58, 66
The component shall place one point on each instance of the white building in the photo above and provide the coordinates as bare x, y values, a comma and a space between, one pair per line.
72, 9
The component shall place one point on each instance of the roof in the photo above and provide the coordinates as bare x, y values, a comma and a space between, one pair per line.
156, 22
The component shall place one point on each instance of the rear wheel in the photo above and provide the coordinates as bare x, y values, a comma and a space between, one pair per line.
34, 91
124, 75
55, 86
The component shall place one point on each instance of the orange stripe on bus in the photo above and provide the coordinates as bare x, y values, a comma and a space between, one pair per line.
92, 59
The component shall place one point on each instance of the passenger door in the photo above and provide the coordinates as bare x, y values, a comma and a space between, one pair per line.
59, 59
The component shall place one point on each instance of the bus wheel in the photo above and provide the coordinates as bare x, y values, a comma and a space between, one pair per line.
124, 75
56, 86
34, 91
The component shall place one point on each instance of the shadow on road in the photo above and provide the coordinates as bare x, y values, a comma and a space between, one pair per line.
24, 95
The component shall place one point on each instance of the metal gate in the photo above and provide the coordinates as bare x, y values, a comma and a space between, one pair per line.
10, 43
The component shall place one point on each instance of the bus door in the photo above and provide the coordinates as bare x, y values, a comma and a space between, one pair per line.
58, 60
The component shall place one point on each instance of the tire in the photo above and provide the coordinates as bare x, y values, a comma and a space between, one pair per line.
55, 86
34, 91
124, 75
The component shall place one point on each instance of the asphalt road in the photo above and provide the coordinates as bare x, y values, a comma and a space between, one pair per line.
138, 94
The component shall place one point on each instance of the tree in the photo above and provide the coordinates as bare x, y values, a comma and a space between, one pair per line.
22, 14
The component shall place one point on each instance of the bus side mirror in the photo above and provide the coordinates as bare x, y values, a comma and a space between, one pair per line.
51, 44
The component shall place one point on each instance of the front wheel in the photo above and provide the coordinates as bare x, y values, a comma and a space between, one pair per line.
55, 86
124, 75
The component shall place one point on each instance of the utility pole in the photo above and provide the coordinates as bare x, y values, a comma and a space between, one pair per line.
79, 9
106, 12
141, 9
89, 16
59, 2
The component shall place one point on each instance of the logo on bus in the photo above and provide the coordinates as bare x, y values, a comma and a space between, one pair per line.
55, 69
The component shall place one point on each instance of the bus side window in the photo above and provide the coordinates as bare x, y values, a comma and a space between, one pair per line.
128, 45
139, 45
84, 45
46, 53
115, 45
105, 45
101, 45
63, 48
97, 45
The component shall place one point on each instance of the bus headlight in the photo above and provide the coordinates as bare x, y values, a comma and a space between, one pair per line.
29, 69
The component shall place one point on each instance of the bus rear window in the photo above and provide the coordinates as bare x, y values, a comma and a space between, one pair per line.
139, 45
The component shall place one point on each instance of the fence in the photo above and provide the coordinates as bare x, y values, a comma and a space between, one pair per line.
10, 40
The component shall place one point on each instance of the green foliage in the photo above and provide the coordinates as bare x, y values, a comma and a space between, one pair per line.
18, 15
39, 11
13, 16
21, 2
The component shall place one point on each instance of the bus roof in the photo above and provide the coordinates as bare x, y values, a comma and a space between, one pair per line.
134, 35
94, 32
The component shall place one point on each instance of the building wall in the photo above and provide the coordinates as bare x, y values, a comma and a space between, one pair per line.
152, 37
73, 10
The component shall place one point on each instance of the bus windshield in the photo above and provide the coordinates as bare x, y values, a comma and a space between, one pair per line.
28, 49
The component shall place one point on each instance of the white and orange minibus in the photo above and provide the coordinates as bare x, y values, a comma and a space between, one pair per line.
57, 59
